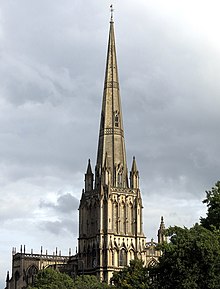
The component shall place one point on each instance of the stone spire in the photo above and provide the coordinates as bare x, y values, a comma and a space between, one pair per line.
89, 178
161, 232
134, 176
111, 134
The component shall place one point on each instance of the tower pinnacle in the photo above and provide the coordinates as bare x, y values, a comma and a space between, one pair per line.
161, 232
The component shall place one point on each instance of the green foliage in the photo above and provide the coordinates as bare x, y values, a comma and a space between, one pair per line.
89, 282
134, 276
52, 279
190, 260
212, 221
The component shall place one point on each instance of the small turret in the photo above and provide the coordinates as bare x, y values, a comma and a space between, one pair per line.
134, 176
161, 232
89, 178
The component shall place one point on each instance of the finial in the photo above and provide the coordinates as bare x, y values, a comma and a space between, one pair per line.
112, 11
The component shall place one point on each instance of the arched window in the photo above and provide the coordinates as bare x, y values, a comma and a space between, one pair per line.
122, 257
31, 272
130, 218
120, 179
123, 218
115, 217
131, 254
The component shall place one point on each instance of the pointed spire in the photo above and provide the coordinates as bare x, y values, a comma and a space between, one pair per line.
162, 225
161, 232
111, 135
89, 169
134, 166
134, 175
89, 178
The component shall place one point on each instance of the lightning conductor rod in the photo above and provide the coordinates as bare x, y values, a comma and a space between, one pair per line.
112, 12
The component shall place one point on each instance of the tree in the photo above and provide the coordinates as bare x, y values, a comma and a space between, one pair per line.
190, 260
89, 282
52, 279
212, 221
134, 276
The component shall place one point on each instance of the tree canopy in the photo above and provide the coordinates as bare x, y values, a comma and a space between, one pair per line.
190, 260
89, 282
52, 279
212, 220
134, 276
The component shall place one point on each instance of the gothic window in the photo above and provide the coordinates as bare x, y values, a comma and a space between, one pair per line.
31, 272
115, 217
130, 218
131, 254
116, 119
123, 218
120, 179
122, 257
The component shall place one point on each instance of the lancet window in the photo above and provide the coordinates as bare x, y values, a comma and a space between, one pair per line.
115, 217
122, 257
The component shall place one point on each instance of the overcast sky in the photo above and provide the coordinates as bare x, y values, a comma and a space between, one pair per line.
52, 62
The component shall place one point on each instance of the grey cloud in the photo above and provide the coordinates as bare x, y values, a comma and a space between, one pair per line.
51, 80
65, 204
64, 226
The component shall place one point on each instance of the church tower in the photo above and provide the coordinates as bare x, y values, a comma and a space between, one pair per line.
110, 211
